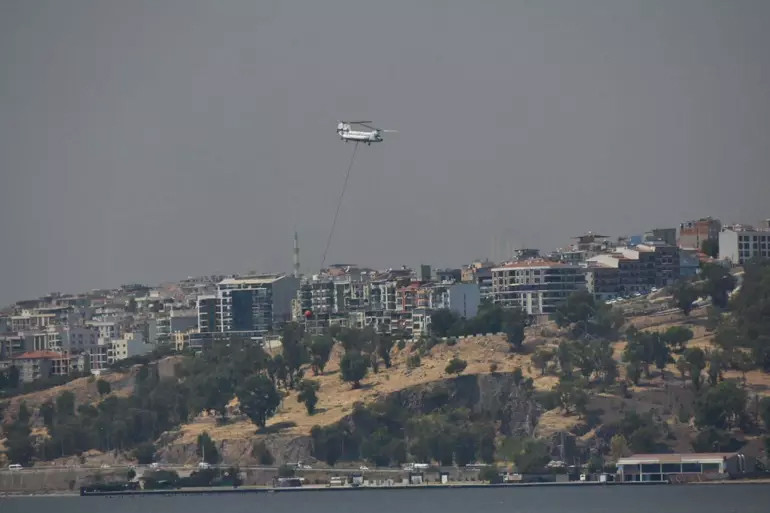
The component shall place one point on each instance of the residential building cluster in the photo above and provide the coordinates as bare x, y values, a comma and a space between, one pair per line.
61, 334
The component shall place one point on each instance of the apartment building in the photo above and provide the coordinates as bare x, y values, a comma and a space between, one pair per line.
740, 244
536, 286
130, 344
692, 234
249, 306
462, 298
630, 270
34, 365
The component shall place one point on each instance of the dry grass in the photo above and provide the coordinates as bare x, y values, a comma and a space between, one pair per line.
336, 398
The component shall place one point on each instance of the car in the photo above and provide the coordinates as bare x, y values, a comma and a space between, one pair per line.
15, 466
104, 465
154, 465
363, 468
204, 465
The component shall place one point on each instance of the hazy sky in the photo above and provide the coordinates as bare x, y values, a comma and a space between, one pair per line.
143, 141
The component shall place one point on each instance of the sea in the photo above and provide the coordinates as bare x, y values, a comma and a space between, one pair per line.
726, 498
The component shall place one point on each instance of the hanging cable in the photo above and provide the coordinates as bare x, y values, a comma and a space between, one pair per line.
339, 204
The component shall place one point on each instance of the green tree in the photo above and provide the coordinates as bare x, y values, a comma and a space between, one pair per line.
683, 366
413, 361
353, 368
713, 318
48, 413
722, 406
455, 366
718, 283
618, 447
103, 387
258, 399
207, 449
684, 295
514, 322
764, 411
294, 350
320, 350
384, 346
541, 357
677, 337
144, 453
13, 377
710, 247
444, 322
572, 395
532, 457
565, 355
491, 475
696, 359
65, 404
716, 364
214, 391
634, 371
308, 394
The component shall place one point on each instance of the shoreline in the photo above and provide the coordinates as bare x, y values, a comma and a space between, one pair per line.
324, 488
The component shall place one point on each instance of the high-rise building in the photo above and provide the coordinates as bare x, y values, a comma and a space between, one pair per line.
249, 306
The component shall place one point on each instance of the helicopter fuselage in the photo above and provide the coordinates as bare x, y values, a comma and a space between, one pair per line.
359, 136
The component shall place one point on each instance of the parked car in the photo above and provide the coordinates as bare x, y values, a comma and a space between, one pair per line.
204, 465
363, 468
15, 466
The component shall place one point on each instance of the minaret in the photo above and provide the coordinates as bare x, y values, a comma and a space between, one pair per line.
296, 255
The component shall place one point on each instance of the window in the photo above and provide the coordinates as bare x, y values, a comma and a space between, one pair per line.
710, 467
691, 467
672, 468
650, 467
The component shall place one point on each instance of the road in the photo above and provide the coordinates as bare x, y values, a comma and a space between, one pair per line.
185, 468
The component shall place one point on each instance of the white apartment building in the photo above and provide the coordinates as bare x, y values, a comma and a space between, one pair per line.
739, 244
536, 286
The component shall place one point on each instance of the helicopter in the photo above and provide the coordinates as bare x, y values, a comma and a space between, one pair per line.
365, 136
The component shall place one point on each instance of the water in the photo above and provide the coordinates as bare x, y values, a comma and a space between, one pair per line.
750, 498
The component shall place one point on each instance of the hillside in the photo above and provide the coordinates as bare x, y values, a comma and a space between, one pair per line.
665, 396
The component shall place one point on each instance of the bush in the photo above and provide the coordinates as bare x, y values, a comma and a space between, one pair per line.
490, 475
413, 361
493, 367
145, 453
401, 344
455, 366
285, 471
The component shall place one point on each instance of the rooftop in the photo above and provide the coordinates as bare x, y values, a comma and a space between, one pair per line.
253, 280
38, 355
674, 458
534, 263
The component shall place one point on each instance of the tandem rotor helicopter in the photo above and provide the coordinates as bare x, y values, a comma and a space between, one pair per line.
365, 136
